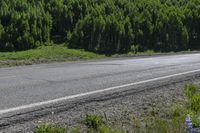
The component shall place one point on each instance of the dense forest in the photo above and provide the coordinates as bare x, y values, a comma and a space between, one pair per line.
101, 26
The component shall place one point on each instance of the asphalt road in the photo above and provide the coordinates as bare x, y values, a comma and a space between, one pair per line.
27, 85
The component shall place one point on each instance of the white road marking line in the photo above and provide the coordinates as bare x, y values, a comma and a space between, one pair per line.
90, 93
5, 77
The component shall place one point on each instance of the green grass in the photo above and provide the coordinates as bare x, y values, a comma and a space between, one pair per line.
51, 129
58, 53
93, 125
45, 54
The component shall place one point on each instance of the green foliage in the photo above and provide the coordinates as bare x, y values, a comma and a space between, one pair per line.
134, 49
195, 119
190, 90
51, 129
96, 124
48, 52
103, 26
195, 102
193, 95
25, 24
93, 122
45, 54
154, 125
177, 111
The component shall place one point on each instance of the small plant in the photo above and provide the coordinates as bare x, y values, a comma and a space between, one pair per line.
193, 95
190, 90
195, 120
177, 111
195, 102
94, 121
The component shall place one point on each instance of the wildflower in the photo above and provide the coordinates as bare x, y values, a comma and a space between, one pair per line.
189, 124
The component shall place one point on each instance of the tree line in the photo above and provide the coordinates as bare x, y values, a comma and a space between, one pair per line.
101, 26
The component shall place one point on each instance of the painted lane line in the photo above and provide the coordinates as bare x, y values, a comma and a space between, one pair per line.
90, 93
6, 77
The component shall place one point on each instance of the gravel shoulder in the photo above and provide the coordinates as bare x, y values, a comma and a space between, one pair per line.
119, 111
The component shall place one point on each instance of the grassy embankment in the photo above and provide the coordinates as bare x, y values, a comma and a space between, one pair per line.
173, 122
44, 54
54, 53
58, 53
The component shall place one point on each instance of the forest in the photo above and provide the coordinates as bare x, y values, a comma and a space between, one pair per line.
101, 26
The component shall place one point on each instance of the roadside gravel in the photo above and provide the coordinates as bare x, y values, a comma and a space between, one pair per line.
120, 111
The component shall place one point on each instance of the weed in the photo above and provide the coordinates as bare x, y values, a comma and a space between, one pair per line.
195, 102
94, 121
190, 90
177, 111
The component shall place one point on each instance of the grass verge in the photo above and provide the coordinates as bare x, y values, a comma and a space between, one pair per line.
60, 53
45, 54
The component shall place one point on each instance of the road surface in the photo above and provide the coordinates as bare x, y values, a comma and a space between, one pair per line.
29, 86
